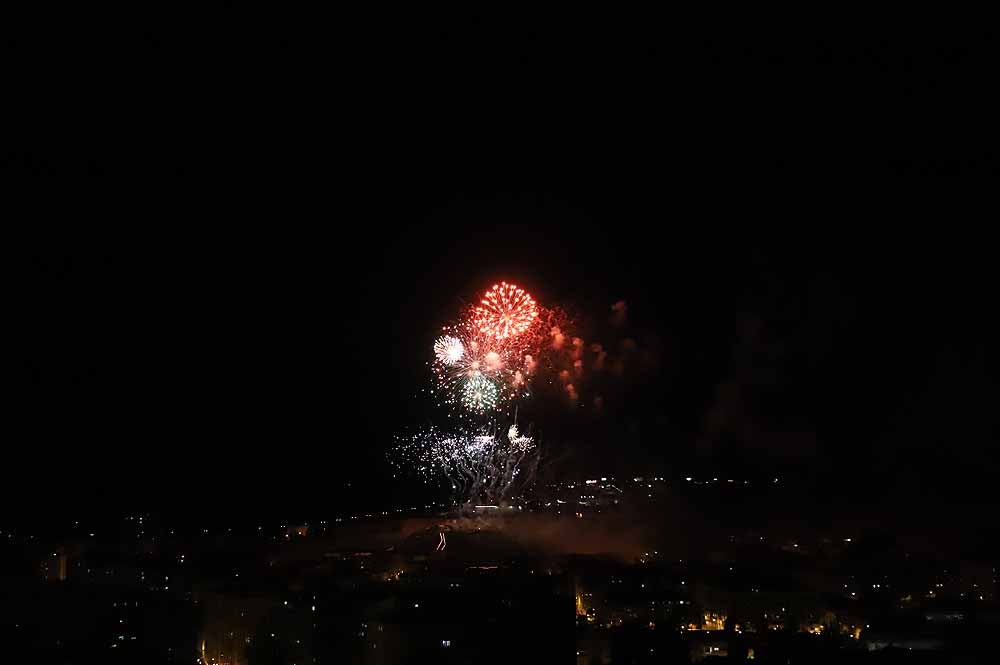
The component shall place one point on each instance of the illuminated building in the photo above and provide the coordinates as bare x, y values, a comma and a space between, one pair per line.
709, 621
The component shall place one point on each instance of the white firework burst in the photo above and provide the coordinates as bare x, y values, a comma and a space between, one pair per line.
449, 350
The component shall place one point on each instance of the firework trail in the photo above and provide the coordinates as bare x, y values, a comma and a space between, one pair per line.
479, 465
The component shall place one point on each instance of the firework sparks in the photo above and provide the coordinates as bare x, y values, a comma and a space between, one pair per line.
479, 393
496, 351
518, 441
477, 465
485, 375
449, 350
489, 357
505, 311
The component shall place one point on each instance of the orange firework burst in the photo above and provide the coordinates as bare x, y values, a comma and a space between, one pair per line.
505, 311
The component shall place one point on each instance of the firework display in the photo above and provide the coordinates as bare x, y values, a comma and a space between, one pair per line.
482, 465
473, 373
483, 361
484, 364
498, 352
505, 311
449, 350
479, 393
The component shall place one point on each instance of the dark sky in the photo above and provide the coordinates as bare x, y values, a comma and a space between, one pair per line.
792, 226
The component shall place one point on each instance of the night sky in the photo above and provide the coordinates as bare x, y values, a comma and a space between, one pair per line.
244, 319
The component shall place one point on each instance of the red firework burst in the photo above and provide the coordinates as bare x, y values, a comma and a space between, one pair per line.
505, 311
